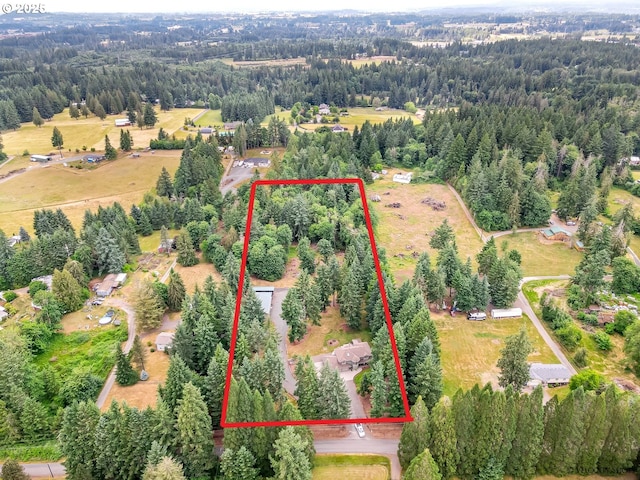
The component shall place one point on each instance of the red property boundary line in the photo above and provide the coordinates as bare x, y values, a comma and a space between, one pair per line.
385, 303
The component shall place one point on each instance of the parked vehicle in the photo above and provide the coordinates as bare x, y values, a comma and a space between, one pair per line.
477, 316
360, 430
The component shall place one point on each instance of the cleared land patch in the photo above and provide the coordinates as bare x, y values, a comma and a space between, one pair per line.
124, 180
88, 132
397, 234
332, 327
470, 350
362, 467
542, 259
196, 275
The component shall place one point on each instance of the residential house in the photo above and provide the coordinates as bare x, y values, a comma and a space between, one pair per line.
337, 128
164, 341
206, 131
231, 126
557, 234
256, 162
633, 161
166, 246
323, 109
549, 374
403, 177
353, 355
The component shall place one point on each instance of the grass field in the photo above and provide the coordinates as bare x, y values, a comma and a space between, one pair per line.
610, 364
196, 275
619, 197
209, 118
360, 467
396, 234
332, 327
150, 243
89, 132
470, 350
74, 191
542, 259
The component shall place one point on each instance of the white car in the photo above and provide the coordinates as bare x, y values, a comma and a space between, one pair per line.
360, 430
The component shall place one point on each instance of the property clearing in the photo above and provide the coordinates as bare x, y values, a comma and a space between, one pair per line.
402, 231
87, 132
75, 191
550, 259
361, 467
326, 337
470, 350
196, 275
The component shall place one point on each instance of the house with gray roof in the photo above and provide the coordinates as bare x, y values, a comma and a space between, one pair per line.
549, 374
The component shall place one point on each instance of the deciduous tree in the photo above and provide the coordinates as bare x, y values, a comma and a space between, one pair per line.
514, 369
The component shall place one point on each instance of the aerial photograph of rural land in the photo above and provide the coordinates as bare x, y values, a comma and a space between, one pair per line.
327, 241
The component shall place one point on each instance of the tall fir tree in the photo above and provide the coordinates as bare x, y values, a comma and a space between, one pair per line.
333, 400
176, 291
125, 375
423, 467
416, 435
307, 388
289, 460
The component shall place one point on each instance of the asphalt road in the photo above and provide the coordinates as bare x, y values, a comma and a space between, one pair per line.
234, 177
44, 470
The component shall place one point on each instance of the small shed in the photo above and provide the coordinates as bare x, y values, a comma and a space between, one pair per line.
403, 177
164, 341
122, 122
120, 279
104, 288
579, 246
264, 294
206, 131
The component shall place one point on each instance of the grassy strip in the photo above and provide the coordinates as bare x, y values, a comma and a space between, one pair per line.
532, 296
332, 460
46, 452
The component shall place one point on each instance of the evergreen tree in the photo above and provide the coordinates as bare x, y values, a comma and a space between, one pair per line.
125, 375
125, 141
514, 369
148, 306
111, 258
149, 116
449, 264
110, 152
487, 256
416, 435
333, 400
193, 426
76, 438
74, 112
186, 252
34, 420
426, 374
67, 291
177, 376
307, 388
12, 470
238, 465
166, 469
289, 461
596, 429
292, 313
306, 255
24, 235
504, 282
443, 439
175, 291
214, 382
527, 441
57, 141
138, 353
442, 236
380, 394
423, 467
164, 185
350, 300
37, 119
464, 410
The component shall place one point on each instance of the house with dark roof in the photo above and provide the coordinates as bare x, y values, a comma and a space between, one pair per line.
337, 128
206, 130
353, 355
231, 126
549, 374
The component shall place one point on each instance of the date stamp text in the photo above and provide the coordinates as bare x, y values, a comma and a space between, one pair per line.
27, 8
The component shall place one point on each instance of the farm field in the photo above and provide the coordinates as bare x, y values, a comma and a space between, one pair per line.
359, 115
332, 327
470, 350
610, 364
542, 259
396, 234
89, 132
361, 467
618, 197
74, 190
375, 60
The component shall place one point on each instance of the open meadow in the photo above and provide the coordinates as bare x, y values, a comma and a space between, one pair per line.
404, 230
124, 180
548, 259
470, 350
88, 132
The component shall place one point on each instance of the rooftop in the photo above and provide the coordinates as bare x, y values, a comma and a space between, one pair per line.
548, 372
352, 352
551, 231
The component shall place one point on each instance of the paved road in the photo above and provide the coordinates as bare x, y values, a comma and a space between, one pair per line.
523, 303
389, 448
282, 328
44, 470
236, 175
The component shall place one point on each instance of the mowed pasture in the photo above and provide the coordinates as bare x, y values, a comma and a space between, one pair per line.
539, 259
404, 230
361, 467
88, 132
470, 350
124, 180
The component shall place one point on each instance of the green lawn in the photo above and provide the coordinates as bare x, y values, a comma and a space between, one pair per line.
48, 451
470, 350
210, 118
91, 350
360, 467
542, 259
